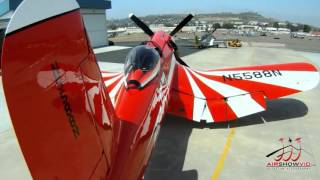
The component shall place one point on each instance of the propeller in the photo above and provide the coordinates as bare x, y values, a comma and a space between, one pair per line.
182, 24
214, 30
141, 24
148, 31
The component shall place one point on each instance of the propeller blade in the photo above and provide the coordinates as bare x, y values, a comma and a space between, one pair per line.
182, 24
214, 30
142, 25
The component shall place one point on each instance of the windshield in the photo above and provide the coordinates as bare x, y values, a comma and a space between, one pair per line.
141, 57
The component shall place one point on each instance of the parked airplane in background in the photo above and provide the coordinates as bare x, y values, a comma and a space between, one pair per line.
300, 35
114, 33
209, 40
74, 122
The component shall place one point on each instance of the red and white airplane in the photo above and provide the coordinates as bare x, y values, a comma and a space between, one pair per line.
74, 122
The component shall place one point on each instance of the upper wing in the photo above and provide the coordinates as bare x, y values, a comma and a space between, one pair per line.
227, 94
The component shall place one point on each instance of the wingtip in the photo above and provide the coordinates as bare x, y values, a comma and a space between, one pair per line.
130, 15
19, 20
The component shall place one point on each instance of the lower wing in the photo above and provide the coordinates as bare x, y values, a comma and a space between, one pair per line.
113, 82
227, 94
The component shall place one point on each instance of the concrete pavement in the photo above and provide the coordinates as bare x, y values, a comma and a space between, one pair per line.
12, 164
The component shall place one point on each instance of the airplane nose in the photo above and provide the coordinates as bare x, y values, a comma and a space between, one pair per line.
133, 79
133, 84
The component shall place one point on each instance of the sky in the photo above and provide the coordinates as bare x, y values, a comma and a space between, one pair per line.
302, 11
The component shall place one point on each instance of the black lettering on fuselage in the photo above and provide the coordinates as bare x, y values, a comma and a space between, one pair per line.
65, 101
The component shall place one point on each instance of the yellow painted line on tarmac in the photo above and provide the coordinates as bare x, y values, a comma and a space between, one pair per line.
223, 156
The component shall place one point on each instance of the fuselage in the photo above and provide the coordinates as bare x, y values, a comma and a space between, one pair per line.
141, 111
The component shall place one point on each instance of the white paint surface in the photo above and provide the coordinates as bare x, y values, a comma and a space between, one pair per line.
109, 49
26, 14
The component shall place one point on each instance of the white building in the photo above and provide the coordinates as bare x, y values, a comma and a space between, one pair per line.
249, 28
284, 30
238, 23
271, 29
253, 23
263, 23
282, 24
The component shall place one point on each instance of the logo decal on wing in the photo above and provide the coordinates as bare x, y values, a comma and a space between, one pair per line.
65, 100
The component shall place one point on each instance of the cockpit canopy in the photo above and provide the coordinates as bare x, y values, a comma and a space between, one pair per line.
141, 57
141, 66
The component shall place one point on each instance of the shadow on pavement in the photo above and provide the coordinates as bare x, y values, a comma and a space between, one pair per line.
167, 160
277, 110
168, 156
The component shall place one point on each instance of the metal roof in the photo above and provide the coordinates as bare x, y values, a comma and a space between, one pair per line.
8, 5
95, 4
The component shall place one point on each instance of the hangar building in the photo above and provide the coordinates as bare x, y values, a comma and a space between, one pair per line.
93, 11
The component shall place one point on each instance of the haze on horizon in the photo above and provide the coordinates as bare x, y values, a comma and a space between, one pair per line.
306, 12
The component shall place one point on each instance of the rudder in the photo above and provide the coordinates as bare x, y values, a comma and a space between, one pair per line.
62, 115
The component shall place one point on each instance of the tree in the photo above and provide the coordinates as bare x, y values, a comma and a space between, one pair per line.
276, 24
216, 25
227, 26
306, 28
